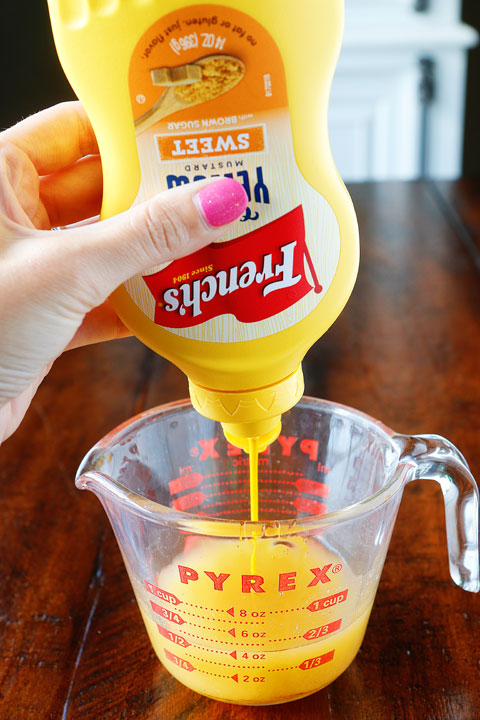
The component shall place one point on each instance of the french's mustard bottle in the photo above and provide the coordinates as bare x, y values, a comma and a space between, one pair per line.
180, 91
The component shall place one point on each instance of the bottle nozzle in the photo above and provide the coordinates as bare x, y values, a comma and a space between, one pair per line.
265, 433
250, 413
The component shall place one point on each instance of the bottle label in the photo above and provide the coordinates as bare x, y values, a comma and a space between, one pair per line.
209, 99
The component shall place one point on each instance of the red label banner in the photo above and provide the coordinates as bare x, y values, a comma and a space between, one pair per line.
253, 277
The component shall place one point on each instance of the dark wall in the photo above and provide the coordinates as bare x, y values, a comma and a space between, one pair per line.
33, 79
471, 157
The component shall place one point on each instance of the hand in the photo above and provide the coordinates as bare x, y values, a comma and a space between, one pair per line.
54, 285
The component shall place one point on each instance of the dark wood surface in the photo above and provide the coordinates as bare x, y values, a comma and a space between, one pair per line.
405, 350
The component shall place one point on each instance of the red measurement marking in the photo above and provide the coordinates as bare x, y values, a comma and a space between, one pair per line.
235, 677
204, 607
312, 507
280, 511
243, 482
221, 620
264, 504
185, 483
167, 614
221, 503
318, 632
162, 594
176, 639
184, 664
328, 601
226, 665
227, 642
315, 662
184, 503
231, 611
281, 472
238, 471
233, 654
312, 487
232, 632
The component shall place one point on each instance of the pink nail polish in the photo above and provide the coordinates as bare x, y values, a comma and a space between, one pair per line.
222, 202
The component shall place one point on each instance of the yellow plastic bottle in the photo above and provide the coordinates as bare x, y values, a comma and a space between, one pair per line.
177, 91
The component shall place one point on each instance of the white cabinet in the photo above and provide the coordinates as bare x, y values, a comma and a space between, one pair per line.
397, 103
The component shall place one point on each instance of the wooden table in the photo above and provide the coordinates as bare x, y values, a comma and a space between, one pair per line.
406, 350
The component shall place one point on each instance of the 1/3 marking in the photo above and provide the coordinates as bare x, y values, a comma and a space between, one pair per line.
315, 662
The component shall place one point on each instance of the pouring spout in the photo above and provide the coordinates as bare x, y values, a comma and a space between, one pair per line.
103, 486
94, 481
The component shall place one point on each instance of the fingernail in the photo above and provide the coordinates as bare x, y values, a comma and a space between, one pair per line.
222, 202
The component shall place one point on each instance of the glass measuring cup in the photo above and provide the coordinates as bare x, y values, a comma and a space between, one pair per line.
267, 612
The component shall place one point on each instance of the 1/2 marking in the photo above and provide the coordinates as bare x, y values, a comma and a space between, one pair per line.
173, 637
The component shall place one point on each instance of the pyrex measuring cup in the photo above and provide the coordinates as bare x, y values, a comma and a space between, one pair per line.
267, 612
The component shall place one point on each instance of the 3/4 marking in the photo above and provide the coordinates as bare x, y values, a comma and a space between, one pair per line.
167, 614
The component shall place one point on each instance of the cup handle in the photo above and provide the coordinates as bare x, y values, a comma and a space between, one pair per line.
435, 458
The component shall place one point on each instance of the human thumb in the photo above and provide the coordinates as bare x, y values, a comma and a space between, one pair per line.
171, 225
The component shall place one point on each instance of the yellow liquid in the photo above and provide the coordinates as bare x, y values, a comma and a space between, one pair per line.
293, 635
253, 464
253, 470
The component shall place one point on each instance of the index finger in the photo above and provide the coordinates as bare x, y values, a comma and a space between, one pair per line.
54, 138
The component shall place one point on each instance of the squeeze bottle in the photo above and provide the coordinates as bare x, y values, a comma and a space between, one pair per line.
178, 91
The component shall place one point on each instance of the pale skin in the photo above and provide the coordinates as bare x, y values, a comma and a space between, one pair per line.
54, 286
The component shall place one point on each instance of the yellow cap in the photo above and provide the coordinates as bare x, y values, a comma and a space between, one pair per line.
250, 413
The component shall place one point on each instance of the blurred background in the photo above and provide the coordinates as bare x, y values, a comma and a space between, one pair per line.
405, 100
